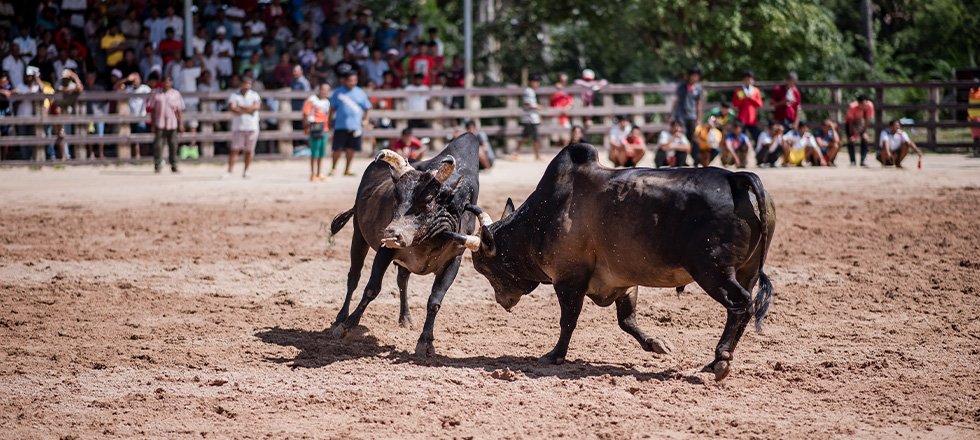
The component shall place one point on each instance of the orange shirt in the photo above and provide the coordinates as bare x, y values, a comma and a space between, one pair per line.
855, 111
315, 109
974, 98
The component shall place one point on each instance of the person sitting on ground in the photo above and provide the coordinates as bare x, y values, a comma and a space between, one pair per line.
801, 145
894, 145
577, 136
672, 147
486, 154
408, 146
316, 113
635, 147
737, 145
708, 138
617, 140
829, 141
769, 147
860, 114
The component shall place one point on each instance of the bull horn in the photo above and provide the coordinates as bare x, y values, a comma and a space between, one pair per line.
471, 242
446, 169
398, 163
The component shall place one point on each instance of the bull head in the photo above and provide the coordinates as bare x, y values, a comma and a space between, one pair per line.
497, 263
425, 204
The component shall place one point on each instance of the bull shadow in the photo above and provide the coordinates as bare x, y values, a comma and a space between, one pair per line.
319, 349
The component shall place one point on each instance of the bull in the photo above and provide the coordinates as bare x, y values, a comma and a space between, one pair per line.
599, 232
410, 215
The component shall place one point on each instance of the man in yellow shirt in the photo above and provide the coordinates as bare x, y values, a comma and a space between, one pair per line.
113, 43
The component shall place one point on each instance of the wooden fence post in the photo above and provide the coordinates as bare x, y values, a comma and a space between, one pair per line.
41, 113
607, 120
122, 149
80, 147
837, 98
934, 94
438, 141
511, 122
879, 113
207, 127
285, 146
639, 100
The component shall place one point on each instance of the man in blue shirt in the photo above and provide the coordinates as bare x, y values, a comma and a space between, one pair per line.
349, 107
737, 145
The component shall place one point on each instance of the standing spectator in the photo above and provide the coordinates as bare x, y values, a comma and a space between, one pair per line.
786, 101
422, 63
747, 101
167, 108
334, 52
209, 61
708, 138
225, 50
32, 84
769, 147
413, 31
299, 83
310, 25
396, 68
172, 21
737, 146
672, 147
44, 63
562, 101
894, 145
307, 56
385, 36
156, 25
171, 48
590, 86
349, 107
418, 100
486, 154
434, 39
14, 65
257, 26
244, 104
269, 61
70, 86
150, 60
828, 139
185, 80
860, 113
531, 118
283, 74
199, 40
375, 68
130, 27
973, 115
363, 24
689, 108
137, 105
6, 110
26, 43
96, 108
316, 115
408, 146
113, 43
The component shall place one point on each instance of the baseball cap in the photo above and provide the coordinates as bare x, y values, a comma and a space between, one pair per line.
220, 30
345, 69
393, 52
588, 74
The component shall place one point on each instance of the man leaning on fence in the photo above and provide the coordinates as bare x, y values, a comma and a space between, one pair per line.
166, 108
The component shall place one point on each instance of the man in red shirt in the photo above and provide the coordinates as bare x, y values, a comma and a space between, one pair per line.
860, 114
422, 63
747, 100
170, 47
786, 102
563, 101
408, 146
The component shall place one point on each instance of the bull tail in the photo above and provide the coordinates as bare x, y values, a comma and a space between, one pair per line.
340, 221
763, 297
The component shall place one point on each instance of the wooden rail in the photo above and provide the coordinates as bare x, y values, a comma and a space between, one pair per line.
497, 108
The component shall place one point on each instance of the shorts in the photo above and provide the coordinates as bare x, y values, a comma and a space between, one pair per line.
796, 157
318, 145
242, 140
345, 140
530, 131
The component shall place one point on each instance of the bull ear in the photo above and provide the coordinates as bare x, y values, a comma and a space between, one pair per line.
446, 169
508, 209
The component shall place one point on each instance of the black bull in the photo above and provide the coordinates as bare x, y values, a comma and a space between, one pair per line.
598, 232
412, 216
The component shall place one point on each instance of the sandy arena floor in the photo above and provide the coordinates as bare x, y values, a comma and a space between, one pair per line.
135, 305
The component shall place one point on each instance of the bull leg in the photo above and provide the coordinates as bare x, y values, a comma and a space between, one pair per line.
570, 298
358, 251
381, 262
404, 316
443, 280
626, 313
736, 300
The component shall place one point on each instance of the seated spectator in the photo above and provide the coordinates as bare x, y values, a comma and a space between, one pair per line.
577, 136
724, 114
486, 154
171, 48
358, 48
829, 141
113, 43
225, 51
769, 147
334, 52
408, 146
737, 146
801, 145
672, 147
283, 75
708, 138
617, 138
375, 68
248, 45
423, 64
385, 36
894, 145
269, 60
252, 64
128, 64
634, 148
418, 100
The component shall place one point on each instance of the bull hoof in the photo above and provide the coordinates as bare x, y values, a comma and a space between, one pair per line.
339, 331
405, 321
722, 368
425, 349
552, 358
658, 345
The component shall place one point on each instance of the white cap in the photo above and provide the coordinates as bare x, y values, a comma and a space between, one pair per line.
588, 74
117, 73
32, 71
220, 30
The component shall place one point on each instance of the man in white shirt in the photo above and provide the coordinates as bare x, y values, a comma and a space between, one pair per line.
257, 26
434, 38
225, 51
158, 27
769, 146
26, 43
244, 104
801, 145
15, 65
173, 21
894, 144
418, 100
619, 131
672, 147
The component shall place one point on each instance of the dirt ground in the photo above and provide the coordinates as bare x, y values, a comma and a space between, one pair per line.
186, 306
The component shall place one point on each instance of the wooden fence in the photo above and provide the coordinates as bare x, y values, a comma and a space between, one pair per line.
497, 109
